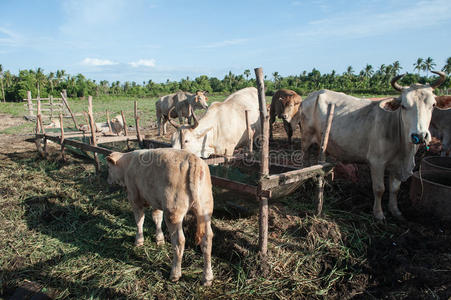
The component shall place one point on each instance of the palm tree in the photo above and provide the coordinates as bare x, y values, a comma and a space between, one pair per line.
247, 73
368, 71
40, 79
276, 79
396, 67
50, 78
1, 82
349, 71
447, 67
419, 65
429, 64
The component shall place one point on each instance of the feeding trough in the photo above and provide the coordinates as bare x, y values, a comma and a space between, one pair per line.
430, 191
436, 163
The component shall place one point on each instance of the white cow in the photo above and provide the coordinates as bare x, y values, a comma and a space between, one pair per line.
222, 128
164, 105
385, 134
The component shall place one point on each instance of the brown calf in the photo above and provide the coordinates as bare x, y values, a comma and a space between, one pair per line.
285, 104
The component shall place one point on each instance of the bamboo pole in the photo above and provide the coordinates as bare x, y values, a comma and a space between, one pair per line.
51, 106
85, 114
63, 157
264, 168
138, 133
93, 132
66, 103
125, 123
249, 132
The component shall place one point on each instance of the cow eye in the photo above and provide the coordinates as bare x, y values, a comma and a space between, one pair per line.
403, 106
186, 141
433, 105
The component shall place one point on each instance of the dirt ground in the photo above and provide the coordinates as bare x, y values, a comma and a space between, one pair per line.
403, 259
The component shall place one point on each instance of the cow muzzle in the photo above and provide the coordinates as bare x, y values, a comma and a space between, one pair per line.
419, 139
284, 116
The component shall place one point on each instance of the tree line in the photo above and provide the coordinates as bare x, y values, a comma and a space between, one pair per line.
369, 80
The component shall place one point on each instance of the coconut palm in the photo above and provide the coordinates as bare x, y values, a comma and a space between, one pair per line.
447, 67
429, 64
247, 73
50, 78
419, 65
396, 67
40, 79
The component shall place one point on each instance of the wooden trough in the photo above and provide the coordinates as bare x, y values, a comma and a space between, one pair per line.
262, 179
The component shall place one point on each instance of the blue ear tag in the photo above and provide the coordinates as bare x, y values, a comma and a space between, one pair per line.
415, 139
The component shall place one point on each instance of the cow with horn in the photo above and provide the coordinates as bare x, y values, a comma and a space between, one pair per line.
386, 134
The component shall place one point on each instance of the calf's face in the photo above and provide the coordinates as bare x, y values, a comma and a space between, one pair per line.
200, 101
115, 169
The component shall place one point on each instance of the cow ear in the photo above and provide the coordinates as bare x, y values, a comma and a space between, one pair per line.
113, 158
390, 104
443, 102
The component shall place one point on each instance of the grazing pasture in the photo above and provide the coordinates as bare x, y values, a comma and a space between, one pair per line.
66, 233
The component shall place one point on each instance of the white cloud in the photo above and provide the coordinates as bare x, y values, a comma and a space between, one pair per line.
9, 38
97, 62
224, 43
365, 23
143, 63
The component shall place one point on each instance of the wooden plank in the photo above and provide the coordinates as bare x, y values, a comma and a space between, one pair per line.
294, 176
114, 138
236, 186
63, 157
87, 147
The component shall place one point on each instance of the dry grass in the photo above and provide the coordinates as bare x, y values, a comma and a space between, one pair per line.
63, 229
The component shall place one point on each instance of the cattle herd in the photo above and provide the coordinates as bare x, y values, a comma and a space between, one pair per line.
385, 134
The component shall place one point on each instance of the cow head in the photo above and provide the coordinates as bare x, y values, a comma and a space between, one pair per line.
290, 107
192, 138
200, 100
115, 170
415, 104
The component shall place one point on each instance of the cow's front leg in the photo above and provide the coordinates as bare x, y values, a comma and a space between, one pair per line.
178, 246
157, 216
165, 120
377, 178
395, 184
288, 130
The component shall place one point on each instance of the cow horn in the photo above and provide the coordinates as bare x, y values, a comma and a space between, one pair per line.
394, 83
177, 126
439, 81
196, 121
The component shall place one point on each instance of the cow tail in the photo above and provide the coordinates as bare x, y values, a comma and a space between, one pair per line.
196, 176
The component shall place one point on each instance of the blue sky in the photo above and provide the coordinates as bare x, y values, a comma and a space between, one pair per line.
138, 40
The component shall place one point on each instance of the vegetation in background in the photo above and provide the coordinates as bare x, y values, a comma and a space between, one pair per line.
368, 81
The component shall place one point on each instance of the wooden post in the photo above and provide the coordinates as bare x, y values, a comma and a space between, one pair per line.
66, 103
85, 114
125, 123
109, 121
38, 112
93, 132
30, 104
326, 132
322, 159
264, 168
138, 133
63, 157
51, 106
249, 133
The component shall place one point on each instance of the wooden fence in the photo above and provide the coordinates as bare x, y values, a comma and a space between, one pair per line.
51, 107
